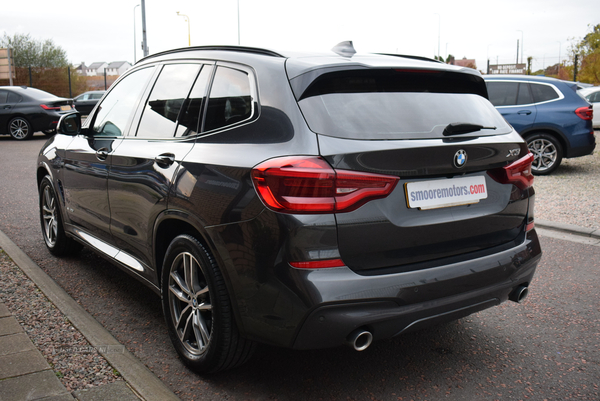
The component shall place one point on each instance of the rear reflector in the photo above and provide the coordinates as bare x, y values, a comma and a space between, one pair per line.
585, 113
318, 264
304, 184
518, 173
530, 226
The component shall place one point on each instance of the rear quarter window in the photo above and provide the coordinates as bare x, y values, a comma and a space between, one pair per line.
543, 93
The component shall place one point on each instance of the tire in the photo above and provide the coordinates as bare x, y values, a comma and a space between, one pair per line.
53, 231
198, 310
20, 129
547, 152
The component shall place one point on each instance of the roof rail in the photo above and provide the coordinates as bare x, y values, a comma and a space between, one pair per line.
412, 57
243, 49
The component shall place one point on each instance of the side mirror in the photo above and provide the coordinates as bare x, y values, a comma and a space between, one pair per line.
69, 124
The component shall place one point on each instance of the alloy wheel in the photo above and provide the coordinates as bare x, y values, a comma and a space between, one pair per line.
544, 153
49, 216
190, 303
19, 128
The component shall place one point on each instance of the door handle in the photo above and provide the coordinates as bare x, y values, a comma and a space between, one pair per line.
165, 160
524, 112
102, 154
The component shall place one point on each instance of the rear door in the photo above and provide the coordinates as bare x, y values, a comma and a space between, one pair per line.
446, 205
514, 101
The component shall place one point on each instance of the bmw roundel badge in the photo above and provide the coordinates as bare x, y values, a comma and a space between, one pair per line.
460, 158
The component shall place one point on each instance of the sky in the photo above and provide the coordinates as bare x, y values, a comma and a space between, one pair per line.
104, 30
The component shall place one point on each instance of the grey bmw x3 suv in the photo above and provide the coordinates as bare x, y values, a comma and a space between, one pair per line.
297, 200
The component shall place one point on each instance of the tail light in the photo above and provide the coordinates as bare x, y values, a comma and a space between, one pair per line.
318, 264
46, 107
518, 173
304, 184
585, 113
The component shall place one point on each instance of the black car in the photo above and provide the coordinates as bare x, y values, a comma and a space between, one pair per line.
302, 201
85, 102
24, 111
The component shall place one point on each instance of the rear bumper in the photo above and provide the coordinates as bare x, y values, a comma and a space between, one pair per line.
393, 304
582, 150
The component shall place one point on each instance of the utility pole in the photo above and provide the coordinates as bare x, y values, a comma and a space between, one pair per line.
517, 51
144, 41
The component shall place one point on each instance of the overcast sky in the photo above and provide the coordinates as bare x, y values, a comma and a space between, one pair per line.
104, 30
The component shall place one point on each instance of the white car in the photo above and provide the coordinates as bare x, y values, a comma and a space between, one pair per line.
592, 95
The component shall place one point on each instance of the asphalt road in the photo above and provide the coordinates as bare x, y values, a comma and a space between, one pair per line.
545, 348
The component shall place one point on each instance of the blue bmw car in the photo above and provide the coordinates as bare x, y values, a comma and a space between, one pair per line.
548, 113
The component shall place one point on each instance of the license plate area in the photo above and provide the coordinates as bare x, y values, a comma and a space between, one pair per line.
434, 194
65, 108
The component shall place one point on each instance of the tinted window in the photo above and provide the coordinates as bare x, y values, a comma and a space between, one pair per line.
3, 96
13, 98
381, 106
503, 93
524, 95
594, 97
543, 93
166, 99
116, 110
96, 95
191, 117
230, 100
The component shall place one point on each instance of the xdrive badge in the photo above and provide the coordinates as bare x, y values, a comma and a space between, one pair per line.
460, 158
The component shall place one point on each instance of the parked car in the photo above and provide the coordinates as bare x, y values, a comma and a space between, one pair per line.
302, 201
547, 112
85, 102
592, 95
24, 111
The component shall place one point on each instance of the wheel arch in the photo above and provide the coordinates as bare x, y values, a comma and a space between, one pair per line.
562, 139
172, 223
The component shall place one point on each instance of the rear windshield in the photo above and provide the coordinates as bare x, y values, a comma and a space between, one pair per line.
397, 104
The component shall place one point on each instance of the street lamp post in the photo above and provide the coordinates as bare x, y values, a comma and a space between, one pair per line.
559, 45
522, 45
134, 39
144, 40
439, 31
188, 22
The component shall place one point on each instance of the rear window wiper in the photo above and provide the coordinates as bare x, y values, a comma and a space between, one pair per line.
463, 128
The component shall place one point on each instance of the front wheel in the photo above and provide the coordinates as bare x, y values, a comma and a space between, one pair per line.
20, 129
53, 231
198, 310
547, 152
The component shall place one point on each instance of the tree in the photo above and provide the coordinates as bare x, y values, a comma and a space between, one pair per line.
30, 52
588, 50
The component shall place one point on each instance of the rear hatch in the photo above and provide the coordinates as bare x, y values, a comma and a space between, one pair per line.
439, 134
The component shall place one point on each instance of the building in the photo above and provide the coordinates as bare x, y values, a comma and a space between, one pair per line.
96, 68
81, 69
465, 62
117, 67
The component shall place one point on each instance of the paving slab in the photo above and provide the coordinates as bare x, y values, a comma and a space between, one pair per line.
22, 363
4, 312
9, 325
114, 391
32, 387
13, 343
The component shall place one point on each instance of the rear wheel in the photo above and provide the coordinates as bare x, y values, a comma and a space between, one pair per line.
20, 129
198, 310
547, 152
53, 231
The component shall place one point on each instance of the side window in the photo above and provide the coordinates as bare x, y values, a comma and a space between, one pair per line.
594, 97
166, 100
503, 93
13, 98
524, 96
96, 95
543, 93
3, 95
190, 118
116, 110
230, 99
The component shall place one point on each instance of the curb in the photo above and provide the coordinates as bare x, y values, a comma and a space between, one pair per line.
135, 373
568, 228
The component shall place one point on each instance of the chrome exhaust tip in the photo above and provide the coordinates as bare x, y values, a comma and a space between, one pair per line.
359, 339
518, 294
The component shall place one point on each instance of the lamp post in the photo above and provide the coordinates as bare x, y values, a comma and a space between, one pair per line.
238, 12
188, 22
559, 45
134, 39
439, 30
522, 45
144, 40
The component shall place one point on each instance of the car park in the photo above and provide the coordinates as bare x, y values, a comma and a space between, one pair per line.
24, 111
85, 102
297, 200
592, 95
555, 122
